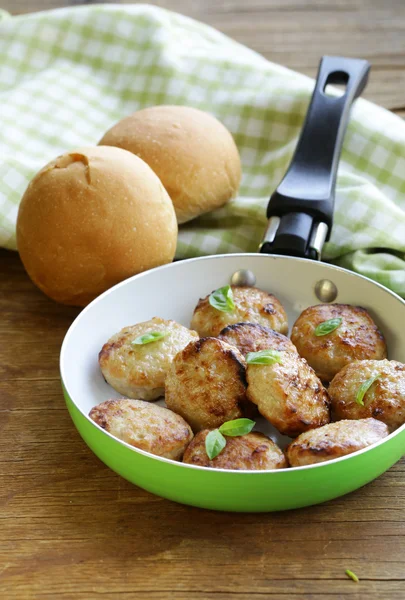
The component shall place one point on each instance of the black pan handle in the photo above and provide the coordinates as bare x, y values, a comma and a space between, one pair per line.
300, 211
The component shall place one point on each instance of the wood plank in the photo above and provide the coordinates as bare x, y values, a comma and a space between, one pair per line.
72, 529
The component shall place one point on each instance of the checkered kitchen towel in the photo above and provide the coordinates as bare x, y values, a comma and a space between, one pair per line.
67, 75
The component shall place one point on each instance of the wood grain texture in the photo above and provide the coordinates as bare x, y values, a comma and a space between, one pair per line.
72, 529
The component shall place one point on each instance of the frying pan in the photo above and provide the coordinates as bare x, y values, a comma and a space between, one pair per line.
288, 265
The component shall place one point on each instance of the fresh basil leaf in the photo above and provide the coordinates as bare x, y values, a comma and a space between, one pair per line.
264, 357
147, 338
352, 575
363, 389
328, 326
214, 443
237, 427
222, 299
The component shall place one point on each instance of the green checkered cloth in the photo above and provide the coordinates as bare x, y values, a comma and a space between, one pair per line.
67, 75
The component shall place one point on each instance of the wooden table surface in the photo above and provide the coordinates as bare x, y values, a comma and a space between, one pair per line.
70, 527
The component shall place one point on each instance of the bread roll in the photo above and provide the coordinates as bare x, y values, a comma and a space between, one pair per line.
91, 218
190, 151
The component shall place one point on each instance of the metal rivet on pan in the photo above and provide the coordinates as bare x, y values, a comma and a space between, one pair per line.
325, 290
243, 277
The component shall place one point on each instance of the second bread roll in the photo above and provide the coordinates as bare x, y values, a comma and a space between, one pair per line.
191, 152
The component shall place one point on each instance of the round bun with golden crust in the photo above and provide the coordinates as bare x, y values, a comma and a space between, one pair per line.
91, 218
254, 452
191, 152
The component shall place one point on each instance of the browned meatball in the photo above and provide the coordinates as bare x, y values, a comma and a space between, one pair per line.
253, 451
143, 425
252, 337
356, 338
206, 384
251, 306
288, 394
385, 398
139, 371
334, 440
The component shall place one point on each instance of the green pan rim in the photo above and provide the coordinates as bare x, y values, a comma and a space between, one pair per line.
325, 464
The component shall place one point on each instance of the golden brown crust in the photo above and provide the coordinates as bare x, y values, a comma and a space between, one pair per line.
385, 399
146, 426
253, 337
288, 394
357, 338
252, 452
334, 440
91, 218
191, 152
251, 306
140, 371
206, 384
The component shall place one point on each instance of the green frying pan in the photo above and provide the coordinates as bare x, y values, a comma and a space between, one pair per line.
172, 293
300, 218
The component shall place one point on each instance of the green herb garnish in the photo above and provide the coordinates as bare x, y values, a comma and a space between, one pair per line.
363, 389
222, 299
328, 326
264, 357
215, 441
147, 338
237, 427
352, 575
